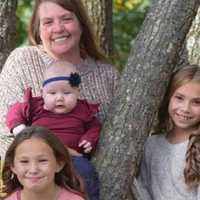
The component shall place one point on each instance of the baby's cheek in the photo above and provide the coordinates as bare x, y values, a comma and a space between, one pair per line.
48, 105
72, 100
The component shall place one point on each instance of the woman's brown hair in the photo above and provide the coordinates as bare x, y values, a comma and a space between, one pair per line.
66, 178
88, 44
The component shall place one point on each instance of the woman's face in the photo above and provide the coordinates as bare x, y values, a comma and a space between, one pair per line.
60, 31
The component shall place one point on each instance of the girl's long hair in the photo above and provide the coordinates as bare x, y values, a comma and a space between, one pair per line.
192, 167
66, 178
186, 74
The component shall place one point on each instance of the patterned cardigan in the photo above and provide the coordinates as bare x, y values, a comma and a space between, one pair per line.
24, 68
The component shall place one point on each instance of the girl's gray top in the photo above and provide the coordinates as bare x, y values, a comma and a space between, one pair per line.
161, 173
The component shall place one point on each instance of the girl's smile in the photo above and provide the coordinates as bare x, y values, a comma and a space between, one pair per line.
184, 107
35, 165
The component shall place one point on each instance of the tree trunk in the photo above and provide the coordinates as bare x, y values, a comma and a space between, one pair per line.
193, 41
7, 28
100, 12
190, 52
140, 91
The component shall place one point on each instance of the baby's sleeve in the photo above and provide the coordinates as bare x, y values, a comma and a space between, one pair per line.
19, 113
92, 124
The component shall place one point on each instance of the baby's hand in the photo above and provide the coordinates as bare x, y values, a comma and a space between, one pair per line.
18, 129
87, 147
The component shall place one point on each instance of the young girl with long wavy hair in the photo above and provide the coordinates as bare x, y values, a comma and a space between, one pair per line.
38, 166
170, 168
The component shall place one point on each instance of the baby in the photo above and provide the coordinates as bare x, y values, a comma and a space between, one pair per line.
59, 109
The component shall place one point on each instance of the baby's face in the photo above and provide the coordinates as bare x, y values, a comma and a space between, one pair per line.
59, 97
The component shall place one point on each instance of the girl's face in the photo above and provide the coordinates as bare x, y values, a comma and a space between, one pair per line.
35, 165
184, 106
60, 30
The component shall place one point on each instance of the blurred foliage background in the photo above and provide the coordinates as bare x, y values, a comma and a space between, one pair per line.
128, 16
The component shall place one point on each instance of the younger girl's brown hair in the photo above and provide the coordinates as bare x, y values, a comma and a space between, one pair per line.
66, 178
192, 167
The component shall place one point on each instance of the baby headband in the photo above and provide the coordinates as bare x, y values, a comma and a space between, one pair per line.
74, 79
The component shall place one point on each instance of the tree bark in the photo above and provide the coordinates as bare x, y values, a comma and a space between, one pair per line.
100, 13
7, 28
193, 41
140, 91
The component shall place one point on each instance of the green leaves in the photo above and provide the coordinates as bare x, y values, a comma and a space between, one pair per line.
24, 11
128, 16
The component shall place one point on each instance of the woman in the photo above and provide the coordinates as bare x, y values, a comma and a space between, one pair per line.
59, 30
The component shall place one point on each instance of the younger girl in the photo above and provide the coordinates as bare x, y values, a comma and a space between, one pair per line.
38, 166
170, 168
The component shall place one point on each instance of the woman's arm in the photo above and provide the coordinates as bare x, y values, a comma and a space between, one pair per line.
18, 73
10, 91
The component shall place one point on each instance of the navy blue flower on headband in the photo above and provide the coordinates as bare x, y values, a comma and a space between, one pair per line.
74, 79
